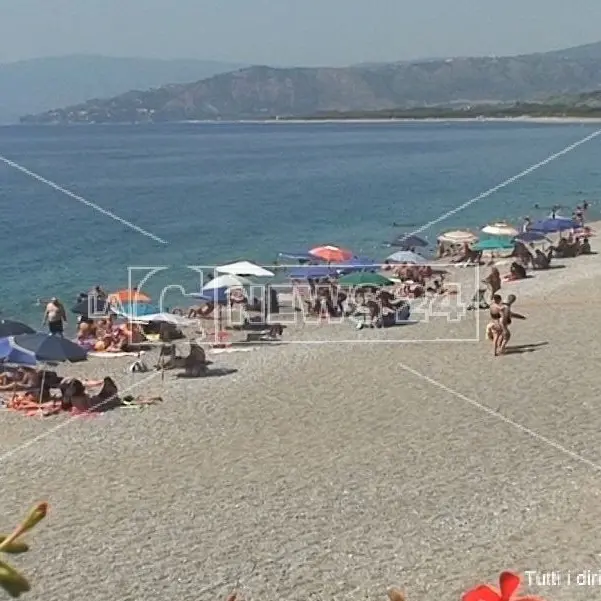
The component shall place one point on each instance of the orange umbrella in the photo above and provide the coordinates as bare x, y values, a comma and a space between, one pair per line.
332, 254
129, 296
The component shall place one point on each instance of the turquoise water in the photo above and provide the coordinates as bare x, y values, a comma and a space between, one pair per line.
221, 192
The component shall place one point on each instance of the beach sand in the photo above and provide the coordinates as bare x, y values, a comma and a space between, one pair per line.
332, 470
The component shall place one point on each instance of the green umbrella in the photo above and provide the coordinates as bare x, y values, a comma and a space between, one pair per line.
493, 244
364, 278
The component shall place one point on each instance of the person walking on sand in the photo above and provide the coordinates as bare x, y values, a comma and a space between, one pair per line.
494, 329
507, 314
55, 316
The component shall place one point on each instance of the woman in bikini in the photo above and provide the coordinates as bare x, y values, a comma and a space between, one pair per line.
506, 316
494, 329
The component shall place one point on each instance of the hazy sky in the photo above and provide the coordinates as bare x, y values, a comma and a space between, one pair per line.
287, 32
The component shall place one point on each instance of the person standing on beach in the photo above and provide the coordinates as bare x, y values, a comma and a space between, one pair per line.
55, 316
493, 281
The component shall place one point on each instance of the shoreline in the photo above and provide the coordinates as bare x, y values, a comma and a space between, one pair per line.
353, 120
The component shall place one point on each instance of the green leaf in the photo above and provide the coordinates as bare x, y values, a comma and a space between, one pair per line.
14, 547
12, 582
37, 514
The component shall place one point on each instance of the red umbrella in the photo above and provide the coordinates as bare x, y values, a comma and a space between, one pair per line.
331, 254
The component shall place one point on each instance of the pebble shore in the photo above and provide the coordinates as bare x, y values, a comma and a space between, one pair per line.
333, 467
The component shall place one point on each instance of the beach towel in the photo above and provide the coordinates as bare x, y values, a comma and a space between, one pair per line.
110, 355
218, 351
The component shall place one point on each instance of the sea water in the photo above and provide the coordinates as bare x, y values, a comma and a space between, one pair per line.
221, 192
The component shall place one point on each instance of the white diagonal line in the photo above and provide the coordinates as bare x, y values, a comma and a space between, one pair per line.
501, 417
504, 184
82, 200
32, 441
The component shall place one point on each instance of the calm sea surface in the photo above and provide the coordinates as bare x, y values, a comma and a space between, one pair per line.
221, 192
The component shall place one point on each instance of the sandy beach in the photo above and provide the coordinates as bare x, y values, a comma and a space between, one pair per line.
334, 467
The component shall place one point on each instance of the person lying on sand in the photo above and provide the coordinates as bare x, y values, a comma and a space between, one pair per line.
24, 379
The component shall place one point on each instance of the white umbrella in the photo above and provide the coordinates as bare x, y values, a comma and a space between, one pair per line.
176, 320
457, 236
245, 268
500, 229
227, 281
407, 256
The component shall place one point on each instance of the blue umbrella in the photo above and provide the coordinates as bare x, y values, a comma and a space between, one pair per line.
29, 349
531, 236
407, 256
558, 224
356, 264
133, 310
13, 328
14, 354
312, 272
409, 241
217, 296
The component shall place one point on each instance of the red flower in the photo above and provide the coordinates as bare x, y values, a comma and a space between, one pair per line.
508, 583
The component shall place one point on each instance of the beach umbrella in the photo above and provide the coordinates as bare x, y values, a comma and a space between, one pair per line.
409, 241
493, 244
9, 353
12, 328
245, 268
529, 237
129, 296
332, 254
356, 264
29, 349
91, 306
365, 278
227, 281
312, 272
457, 237
559, 224
500, 229
216, 296
133, 311
407, 256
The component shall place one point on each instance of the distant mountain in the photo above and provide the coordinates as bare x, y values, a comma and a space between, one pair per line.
262, 92
38, 85
586, 51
